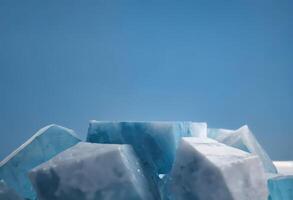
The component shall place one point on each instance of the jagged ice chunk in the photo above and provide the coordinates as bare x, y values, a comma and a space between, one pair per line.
243, 139
205, 169
92, 172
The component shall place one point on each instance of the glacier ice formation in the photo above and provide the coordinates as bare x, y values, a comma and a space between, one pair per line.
144, 161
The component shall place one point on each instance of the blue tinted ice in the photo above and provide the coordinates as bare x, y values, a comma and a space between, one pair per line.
281, 187
89, 171
243, 139
45, 144
7, 193
154, 142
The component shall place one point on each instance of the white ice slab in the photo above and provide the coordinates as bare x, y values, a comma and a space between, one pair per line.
205, 169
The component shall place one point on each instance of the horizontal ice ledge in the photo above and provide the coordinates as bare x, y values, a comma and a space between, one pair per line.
284, 167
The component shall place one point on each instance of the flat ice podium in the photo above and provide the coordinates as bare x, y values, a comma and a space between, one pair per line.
144, 161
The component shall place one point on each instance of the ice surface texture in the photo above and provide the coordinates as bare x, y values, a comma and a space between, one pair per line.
7, 193
243, 139
281, 188
207, 170
154, 142
45, 144
89, 171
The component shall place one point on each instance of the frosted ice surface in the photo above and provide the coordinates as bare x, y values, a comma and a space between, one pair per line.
284, 167
154, 142
281, 187
243, 139
90, 171
42, 146
7, 193
205, 169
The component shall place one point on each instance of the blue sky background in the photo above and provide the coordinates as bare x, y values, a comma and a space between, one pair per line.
69, 61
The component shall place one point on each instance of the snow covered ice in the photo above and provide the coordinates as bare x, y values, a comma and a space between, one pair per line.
89, 171
42, 146
207, 170
243, 139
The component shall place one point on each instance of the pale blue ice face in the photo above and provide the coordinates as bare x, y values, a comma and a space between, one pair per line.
45, 144
281, 188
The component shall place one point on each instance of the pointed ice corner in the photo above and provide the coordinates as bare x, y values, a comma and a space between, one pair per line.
243, 139
7, 193
92, 171
42, 146
281, 187
206, 169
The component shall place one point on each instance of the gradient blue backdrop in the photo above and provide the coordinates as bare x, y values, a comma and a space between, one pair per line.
225, 62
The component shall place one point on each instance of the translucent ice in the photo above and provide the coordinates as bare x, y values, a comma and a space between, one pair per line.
205, 169
7, 193
154, 142
45, 144
243, 139
89, 171
281, 187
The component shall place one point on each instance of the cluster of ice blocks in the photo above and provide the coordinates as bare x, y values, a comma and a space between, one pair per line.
144, 161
